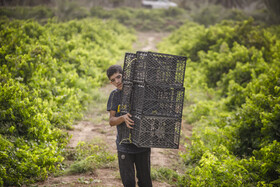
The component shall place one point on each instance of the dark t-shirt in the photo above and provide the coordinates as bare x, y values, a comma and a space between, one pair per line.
113, 104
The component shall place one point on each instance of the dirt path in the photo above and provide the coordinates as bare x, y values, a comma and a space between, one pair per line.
95, 125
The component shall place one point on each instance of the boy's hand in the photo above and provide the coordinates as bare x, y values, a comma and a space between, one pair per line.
128, 121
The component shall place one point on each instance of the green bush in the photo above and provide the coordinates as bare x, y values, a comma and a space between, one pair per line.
213, 14
68, 10
269, 157
258, 123
217, 169
38, 12
200, 110
143, 19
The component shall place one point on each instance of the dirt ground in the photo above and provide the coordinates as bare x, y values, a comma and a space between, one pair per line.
95, 125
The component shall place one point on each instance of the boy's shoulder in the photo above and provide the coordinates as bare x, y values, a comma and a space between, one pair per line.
115, 91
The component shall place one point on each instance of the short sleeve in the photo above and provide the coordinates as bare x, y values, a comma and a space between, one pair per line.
112, 102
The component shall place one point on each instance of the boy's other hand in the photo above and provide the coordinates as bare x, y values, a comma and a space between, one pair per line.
128, 121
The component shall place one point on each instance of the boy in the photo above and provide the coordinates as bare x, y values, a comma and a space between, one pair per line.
129, 155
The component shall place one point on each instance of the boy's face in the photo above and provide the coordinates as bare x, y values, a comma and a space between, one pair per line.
116, 80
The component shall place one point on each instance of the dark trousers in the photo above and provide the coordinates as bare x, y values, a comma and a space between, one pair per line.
127, 163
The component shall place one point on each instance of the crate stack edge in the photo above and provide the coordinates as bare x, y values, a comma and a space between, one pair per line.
128, 67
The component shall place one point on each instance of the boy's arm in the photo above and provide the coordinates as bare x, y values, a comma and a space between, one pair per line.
113, 121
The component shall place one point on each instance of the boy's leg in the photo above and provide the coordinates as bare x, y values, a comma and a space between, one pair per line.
127, 170
143, 169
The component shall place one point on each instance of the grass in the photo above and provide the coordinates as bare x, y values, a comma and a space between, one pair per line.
86, 157
164, 174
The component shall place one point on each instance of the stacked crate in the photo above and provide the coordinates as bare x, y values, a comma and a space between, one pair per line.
153, 93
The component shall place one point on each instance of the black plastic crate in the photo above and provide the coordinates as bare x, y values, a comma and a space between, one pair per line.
124, 134
126, 98
128, 67
165, 69
152, 100
140, 66
155, 131
159, 68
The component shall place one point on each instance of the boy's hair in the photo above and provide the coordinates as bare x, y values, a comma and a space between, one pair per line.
114, 69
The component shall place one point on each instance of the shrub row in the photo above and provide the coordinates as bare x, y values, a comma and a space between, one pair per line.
48, 74
140, 19
232, 93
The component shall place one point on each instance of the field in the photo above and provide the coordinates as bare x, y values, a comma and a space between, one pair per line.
53, 94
